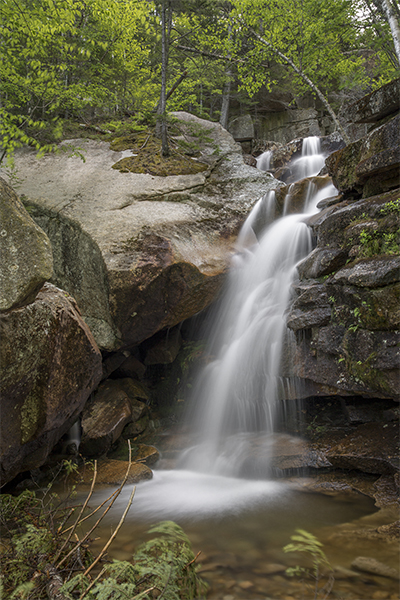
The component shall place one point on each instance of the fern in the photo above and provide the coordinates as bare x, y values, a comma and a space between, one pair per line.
306, 543
108, 589
22, 591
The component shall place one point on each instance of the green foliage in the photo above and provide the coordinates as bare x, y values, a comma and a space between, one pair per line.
391, 207
32, 543
378, 242
308, 545
165, 563
315, 430
315, 35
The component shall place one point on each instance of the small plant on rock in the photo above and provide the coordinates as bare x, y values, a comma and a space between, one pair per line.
307, 544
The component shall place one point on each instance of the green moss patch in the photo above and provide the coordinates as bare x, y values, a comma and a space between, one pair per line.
149, 159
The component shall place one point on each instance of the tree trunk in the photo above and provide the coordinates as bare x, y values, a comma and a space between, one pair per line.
226, 97
227, 88
307, 80
393, 24
164, 63
171, 90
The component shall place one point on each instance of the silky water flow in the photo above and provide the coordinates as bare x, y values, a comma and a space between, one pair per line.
238, 394
225, 506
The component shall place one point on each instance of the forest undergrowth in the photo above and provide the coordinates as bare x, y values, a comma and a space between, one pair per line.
45, 552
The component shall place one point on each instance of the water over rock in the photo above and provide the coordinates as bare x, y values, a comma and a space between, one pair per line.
347, 340
141, 253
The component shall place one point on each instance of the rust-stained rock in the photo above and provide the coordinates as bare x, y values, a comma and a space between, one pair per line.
26, 255
104, 418
290, 198
112, 472
50, 364
372, 448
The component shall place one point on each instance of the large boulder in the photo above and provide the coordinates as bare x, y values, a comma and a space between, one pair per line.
26, 256
50, 364
141, 253
370, 165
377, 105
345, 309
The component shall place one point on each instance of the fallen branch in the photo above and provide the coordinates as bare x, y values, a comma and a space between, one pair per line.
112, 537
104, 513
79, 516
54, 584
104, 131
194, 560
90, 514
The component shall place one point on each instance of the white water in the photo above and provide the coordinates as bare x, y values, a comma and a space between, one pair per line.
311, 161
264, 161
241, 390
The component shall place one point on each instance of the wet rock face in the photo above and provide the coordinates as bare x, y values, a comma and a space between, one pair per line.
50, 364
160, 246
377, 105
26, 255
370, 165
371, 448
345, 309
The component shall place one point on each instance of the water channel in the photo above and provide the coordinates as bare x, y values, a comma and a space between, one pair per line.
241, 523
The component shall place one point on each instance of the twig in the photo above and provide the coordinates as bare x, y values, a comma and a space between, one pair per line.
104, 550
90, 514
93, 582
192, 561
108, 508
147, 139
79, 516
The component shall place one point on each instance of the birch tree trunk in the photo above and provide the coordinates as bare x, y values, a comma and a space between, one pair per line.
393, 24
308, 81
164, 65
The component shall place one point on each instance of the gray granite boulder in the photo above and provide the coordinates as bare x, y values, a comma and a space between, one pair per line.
26, 255
141, 253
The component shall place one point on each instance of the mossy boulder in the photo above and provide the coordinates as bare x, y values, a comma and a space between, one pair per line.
345, 311
50, 364
160, 245
370, 165
26, 254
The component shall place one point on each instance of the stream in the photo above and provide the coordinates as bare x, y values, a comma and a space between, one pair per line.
241, 524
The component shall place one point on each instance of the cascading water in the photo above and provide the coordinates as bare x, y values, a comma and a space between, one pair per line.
311, 161
241, 524
240, 391
264, 161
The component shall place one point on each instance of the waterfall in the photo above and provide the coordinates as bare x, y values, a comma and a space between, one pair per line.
311, 161
239, 392
264, 161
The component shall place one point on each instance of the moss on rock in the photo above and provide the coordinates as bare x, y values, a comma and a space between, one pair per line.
147, 158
